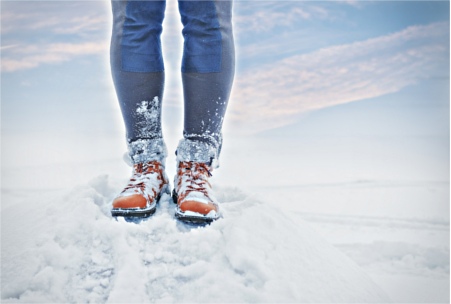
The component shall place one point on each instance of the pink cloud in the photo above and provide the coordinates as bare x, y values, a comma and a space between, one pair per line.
274, 95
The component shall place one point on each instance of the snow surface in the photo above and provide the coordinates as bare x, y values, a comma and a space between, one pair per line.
65, 247
371, 178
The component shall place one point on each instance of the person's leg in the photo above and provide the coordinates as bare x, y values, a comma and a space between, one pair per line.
207, 74
138, 75
208, 67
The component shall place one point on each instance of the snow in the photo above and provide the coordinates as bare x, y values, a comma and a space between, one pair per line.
200, 151
375, 192
143, 150
65, 247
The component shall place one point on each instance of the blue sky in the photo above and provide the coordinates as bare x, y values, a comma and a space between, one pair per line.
295, 61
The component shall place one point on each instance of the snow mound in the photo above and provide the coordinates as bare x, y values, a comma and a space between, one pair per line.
69, 249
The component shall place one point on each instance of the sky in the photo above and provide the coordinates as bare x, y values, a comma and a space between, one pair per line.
373, 72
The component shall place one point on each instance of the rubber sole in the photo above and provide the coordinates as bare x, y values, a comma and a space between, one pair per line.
139, 212
190, 219
134, 212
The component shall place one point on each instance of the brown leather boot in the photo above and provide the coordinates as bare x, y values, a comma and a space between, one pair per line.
140, 197
193, 195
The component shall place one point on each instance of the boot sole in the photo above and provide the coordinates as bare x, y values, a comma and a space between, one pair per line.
134, 212
190, 219
139, 212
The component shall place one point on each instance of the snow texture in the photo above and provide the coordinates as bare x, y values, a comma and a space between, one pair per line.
151, 145
69, 249
149, 122
198, 151
145, 150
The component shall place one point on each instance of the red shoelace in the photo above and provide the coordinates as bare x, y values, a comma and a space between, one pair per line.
144, 169
196, 175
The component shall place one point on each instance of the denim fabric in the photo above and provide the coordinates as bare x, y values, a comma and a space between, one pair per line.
141, 45
202, 35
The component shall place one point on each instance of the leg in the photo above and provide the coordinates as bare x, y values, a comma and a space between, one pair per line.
208, 67
207, 74
138, 75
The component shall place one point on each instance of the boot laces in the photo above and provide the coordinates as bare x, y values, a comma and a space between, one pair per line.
141, 173
196, 176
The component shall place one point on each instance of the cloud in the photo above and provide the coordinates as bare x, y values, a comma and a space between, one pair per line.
5, 47
276, 94
37, 33
73, 17
256, 17
31, 56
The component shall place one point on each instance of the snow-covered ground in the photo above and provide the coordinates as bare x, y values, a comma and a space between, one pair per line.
312, 213
61, 245
65, 247
314, 242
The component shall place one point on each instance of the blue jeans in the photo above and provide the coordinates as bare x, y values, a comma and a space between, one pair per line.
208, 66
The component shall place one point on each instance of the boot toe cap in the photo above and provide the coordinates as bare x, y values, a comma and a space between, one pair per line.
131, 201
198, 207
